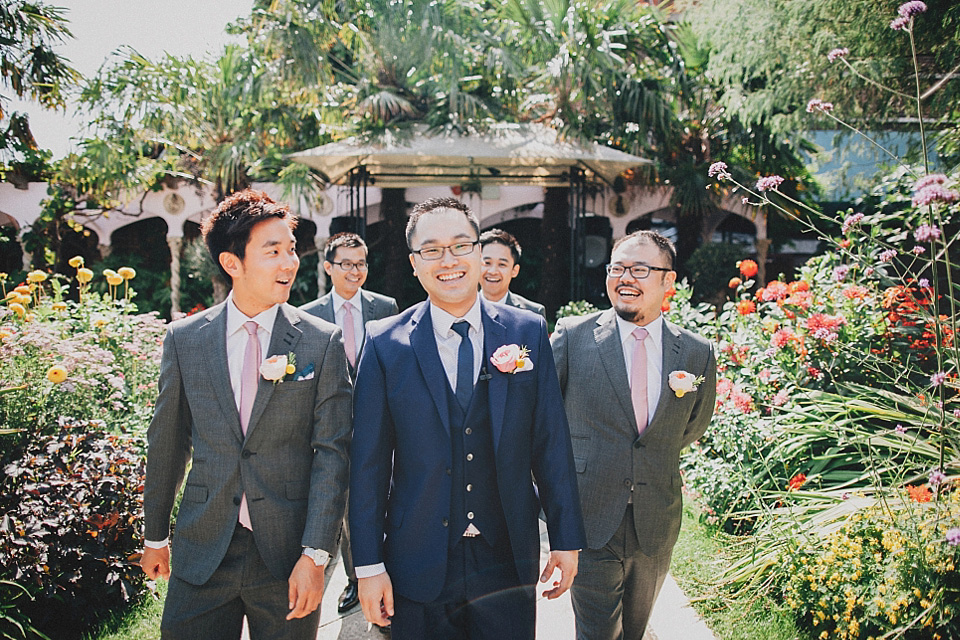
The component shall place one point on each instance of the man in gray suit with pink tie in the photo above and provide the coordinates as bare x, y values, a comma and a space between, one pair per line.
256, 395
637, 390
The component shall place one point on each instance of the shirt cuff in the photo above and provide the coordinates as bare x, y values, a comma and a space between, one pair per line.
370, 570
153, 544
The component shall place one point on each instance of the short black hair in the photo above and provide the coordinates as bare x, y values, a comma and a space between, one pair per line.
499, 236
228, 228
657, 239
431, 205
342, 239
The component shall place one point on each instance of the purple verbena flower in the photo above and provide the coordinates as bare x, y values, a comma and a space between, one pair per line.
837, 53
819, 105
934, 193
936, 477
918, 250
868, 271
900, 429
840, 272
938, 378
845, 495
909, 9
926, 233
924, 283
718, 170
953, 536
887, 255
769, 182
926, 181
851, 221
899, 24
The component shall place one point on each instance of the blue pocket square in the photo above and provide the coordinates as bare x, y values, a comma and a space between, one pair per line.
304, 374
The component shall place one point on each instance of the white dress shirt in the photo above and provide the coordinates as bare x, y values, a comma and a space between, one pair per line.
654, 344
338, 312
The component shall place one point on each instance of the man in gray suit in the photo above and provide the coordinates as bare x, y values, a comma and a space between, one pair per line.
501, 264
637, 390
350, 307
257, 395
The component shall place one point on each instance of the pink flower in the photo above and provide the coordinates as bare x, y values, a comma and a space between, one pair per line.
837, 53
816, 104
718, 170
887, 255
909, 9
780, 398
936, 477
851, 221
840, 272
918, 250
934, 193
511, 358
769, 182
953, 536
899, 24
926, 233
927, 180
938, 379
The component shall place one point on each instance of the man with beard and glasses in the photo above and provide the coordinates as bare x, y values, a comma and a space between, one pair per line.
637, 390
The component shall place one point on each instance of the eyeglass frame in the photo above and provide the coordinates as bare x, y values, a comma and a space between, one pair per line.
630, 268
359, 266
443, 250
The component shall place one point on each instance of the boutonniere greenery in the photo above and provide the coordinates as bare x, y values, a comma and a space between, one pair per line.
276, 367
683, 382
512, 359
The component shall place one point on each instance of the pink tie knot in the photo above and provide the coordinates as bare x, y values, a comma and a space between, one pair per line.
640, 334
251, 326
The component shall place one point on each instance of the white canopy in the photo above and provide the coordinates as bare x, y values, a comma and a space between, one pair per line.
505, 154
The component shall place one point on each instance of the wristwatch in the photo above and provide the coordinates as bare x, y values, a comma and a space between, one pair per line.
319, 556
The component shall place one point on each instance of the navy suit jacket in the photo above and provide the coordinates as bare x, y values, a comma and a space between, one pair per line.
400, 485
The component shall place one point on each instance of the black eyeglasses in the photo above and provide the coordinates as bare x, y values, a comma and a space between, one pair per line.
435, 253
638, 271
350, 266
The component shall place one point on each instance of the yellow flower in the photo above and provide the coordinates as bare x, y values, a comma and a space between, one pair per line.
3, 276
127, 273
23, 290
109, 272
17, 308
56, 374
114, 278
24, 300
12, 295
291, 369
36, 276
76, 262
84, 275
59, 306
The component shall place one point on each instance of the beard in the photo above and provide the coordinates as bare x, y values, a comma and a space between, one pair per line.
633, 316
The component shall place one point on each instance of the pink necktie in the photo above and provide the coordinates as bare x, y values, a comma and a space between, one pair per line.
638, 378
249, 379
349, 336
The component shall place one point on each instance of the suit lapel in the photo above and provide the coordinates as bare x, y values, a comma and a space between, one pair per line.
369, 308
607, 337
494, 337
283, 340
213, 337
672, 348
425, 349
326, 309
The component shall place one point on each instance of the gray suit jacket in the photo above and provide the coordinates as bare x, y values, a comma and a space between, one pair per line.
518, 301
375, 307
293, 463
610, 458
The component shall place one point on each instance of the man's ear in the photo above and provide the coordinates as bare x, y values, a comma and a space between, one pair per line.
231, 264
515, 271
413, 264
328, 268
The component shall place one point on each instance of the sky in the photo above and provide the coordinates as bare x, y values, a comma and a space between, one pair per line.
100, 27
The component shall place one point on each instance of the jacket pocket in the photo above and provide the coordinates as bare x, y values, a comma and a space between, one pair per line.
296, 491
195, 493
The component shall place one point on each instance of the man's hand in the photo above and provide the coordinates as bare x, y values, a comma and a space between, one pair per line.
567, 562
306, 588
156, 562
376, 598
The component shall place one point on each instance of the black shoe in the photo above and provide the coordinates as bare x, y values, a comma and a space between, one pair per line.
384, 631
349, 598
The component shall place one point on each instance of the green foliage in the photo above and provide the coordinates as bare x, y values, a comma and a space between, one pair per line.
711, 267
578, 308
71, 511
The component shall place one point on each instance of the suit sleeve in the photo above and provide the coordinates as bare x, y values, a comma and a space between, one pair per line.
558, 342
332, 421
553, 466
371, 459
169, 444
706, 401
394, 309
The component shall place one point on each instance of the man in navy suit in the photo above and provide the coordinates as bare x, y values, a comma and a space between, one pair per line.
457, 401
500, 254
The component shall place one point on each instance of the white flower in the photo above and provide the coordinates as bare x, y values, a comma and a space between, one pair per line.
683, 382
274, 368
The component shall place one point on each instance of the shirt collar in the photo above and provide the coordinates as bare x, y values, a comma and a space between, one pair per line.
654, 328
236, 318
338, 300
504, 300
443, 321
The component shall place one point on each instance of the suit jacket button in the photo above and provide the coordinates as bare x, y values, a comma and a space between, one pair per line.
468, 431
637, 444
449, 472
446, 522
627, 483
469, 515
469, 456
236, 500
246, 454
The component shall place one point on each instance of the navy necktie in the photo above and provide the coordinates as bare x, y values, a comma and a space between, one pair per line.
464, 364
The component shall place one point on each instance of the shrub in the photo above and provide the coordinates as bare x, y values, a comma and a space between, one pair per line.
71, 518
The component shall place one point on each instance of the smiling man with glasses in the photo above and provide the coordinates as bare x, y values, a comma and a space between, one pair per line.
448, 427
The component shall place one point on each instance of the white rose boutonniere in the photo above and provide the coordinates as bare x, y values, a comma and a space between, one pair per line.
512, 359
276, 367
683, 382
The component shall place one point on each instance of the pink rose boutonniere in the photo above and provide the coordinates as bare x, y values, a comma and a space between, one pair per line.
512, 359
683, 382
275, 368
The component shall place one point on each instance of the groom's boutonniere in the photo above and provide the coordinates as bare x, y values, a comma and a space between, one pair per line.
683, 382
275, 368
512, 359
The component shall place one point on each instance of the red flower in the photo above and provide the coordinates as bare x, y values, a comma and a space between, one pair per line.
746, 307
775, 290
666, 305
734, 283
782, 338
748, 268
920, 494
796, 482
824, 321
856, 292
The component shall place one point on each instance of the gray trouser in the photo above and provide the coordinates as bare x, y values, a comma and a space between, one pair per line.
616, 587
